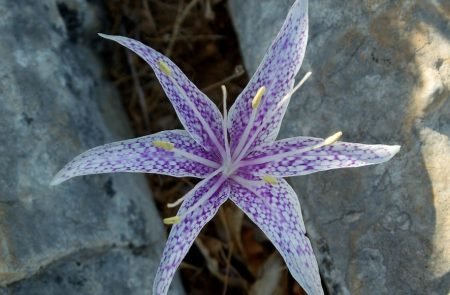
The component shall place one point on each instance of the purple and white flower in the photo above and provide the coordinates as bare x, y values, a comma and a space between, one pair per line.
236, 154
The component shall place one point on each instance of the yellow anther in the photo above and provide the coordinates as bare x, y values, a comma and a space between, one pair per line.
333, 138
270, 179
172, 220
257, 99
164, 68
168, 146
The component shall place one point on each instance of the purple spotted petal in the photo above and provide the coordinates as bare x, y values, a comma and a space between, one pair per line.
275, 209
199, 116
272, 159
184, 233
282, 145
140, 155
276, 72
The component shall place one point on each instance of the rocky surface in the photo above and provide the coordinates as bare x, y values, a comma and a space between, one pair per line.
381, 74
92, 235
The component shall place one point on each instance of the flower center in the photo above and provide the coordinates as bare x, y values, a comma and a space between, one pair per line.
231, 160
228, 168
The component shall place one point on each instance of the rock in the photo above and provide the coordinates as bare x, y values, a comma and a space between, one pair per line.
381, 74
90, 273
93, 235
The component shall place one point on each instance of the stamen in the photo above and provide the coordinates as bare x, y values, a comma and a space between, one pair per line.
172, 220
333, 138
270, 179
296, 87
165, 145
329, 140
257, 99
164, 68
176, 203
193, 107
255, 103
168, 146
268, 117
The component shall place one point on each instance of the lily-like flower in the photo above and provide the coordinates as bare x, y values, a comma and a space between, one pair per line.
235, 155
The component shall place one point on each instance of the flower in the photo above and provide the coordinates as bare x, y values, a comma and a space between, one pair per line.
235, 155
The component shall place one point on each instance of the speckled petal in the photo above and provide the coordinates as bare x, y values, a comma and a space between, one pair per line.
337, 155
276, 72
275, 209
198, 114
184, 233
140, 155
282, 145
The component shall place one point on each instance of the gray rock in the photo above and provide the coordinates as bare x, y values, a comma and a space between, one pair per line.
92, 235
381, 74
90, 272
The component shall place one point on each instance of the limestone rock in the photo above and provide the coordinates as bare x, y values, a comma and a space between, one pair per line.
92, 235
381, 74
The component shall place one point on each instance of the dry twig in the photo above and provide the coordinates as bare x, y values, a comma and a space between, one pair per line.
138, 88
178, 22
227, 270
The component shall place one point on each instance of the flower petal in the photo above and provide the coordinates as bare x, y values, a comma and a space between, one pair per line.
283, 145
184, 233
276, 72
140, 155
276, 210
199, 116
294, 156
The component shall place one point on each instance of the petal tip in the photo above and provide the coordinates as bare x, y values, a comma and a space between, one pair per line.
106, 36
395, 149
56, 180
110, 37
